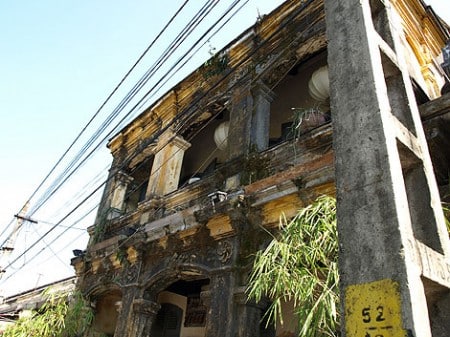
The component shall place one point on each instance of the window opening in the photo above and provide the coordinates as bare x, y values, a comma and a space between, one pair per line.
301, 101
203, 157
137, 189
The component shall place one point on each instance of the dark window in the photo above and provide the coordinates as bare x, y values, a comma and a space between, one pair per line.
168, 321
195, 312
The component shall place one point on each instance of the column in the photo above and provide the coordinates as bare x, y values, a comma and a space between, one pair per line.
378, 142
446, 67
260, 128
248, 315
167, 164
239, 131
142, 317
105, 202
240, 124
121, 183
219, 301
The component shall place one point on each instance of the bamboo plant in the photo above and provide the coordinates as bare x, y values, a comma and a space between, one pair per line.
61, 315
300, 265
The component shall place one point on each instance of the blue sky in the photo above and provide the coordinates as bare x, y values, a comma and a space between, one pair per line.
60, 60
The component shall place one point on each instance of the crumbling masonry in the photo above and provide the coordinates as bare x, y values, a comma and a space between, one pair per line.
202, 175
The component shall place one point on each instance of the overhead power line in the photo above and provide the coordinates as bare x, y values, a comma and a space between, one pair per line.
206, 93
206, 9
58, 162
71, 169
92, 139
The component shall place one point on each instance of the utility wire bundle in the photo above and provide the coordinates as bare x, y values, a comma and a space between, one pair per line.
48, 188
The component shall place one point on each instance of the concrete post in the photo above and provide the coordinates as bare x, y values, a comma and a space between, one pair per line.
143, 315
239, 135
248, 314
121, 183
105, 202
260, 128
165, 174
378, 141
219, 318
240, 124
125, 311
446, 67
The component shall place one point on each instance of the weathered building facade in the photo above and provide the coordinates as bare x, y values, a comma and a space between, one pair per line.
201, 176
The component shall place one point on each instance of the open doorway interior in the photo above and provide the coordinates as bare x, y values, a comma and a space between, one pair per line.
182, 312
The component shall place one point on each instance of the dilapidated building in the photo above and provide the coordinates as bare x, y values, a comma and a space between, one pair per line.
21, 305
201, 176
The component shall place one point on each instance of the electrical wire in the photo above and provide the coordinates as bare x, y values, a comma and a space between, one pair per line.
222, 79
213, 87
99, 109
204, 11
197, 18
104, 138
90, 141
50, 249
157, 87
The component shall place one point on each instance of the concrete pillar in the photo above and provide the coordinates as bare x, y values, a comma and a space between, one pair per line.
239, 134
446, 67
248, 315
240, 124
165, 174
219, 301
121, 183
260, 126
142, 317
124, 309
375, 122
105, 202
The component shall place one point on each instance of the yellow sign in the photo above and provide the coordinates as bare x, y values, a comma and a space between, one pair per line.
374, 310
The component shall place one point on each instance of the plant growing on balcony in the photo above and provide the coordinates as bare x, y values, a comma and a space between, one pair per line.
256, 167
216, 65
100, 227
306, 117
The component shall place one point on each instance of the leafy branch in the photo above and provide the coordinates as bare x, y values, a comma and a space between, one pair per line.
216, 65
62, 315
300, 265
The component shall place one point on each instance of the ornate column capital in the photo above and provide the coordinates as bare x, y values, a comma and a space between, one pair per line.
145, 307
262, 90
143, 314
123, 178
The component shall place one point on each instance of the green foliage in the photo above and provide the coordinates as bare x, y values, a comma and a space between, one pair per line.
300, 265
300, 115
216, 65
61, 315
446, 209
255, 167
101, 227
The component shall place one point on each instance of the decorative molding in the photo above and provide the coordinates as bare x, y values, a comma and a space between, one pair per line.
145, 307
220, 226
224, 251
